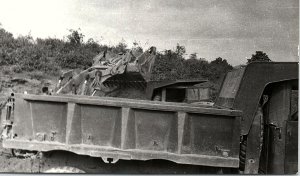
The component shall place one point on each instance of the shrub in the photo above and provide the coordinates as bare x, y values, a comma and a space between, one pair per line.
6, 70
36, 75
16, 68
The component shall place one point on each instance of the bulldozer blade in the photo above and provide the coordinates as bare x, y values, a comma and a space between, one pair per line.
126, 80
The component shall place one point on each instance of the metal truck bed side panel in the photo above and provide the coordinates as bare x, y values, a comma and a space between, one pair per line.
126, 129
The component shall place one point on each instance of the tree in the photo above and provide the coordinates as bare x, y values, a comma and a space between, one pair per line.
76, 37
180, 50
137, 47
121, 47
193, 56
217, 68
259, 56
195, 68
169, 65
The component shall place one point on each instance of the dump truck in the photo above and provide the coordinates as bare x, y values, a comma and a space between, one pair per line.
251, 128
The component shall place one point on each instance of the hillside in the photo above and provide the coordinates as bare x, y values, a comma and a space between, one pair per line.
28, 63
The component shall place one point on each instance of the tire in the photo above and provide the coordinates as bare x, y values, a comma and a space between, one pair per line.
64, 169
243, 148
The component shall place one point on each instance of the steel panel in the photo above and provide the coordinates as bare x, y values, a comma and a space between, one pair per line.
291, 148
127, 129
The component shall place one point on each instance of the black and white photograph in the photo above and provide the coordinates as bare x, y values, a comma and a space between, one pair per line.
149, 87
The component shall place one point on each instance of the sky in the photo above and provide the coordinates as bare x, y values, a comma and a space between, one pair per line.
231, 29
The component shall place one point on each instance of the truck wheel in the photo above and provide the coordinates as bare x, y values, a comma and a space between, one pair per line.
243, 148
64, 169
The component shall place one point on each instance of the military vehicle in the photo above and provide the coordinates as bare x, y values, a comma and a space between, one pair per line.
251, 128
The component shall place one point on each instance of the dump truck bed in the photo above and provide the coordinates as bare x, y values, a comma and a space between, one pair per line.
126, 129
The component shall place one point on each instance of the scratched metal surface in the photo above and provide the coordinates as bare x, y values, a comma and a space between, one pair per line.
140, 130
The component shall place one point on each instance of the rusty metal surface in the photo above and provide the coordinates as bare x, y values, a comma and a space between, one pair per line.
254, 144
124, 102
279, 105
230, 88
126, 129
279, 155
291, 148
256, 77
278, 114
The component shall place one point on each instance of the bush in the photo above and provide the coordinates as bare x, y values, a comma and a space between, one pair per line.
6, 70
38, 75
75, 59
168, 66
50, 55
16, 68
46, 55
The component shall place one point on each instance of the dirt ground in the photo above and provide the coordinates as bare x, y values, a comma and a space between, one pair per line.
19, 83
9, 163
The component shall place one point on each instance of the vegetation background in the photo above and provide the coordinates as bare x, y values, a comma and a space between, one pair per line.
41, 57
